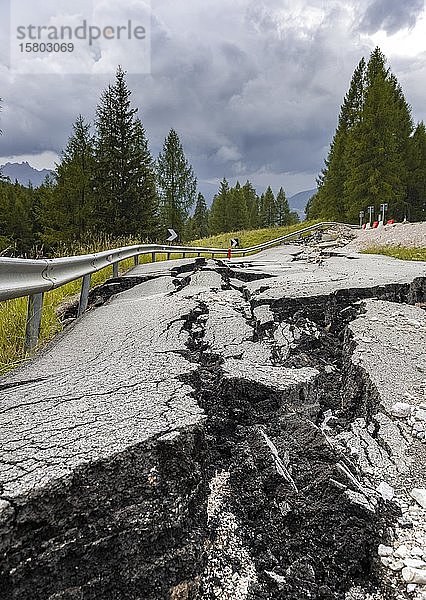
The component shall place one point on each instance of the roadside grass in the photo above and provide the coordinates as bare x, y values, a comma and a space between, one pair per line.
400, 252
250, 237
13, 312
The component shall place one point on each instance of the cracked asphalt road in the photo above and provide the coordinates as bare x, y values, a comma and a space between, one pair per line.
110, 382
121, 379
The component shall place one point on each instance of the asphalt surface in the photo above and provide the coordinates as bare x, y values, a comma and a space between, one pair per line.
243, 352
110, 380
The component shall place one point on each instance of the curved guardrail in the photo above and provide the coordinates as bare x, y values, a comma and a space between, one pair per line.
24, 277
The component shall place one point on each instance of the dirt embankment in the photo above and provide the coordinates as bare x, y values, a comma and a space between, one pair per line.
411, 235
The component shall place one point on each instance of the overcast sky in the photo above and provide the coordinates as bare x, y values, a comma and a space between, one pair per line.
253, 88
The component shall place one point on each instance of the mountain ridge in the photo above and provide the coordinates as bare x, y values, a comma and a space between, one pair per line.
24, 173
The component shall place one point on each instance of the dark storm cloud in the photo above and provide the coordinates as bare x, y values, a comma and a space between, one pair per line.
252, 87
390, 15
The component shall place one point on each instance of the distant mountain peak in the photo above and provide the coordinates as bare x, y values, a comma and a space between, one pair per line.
299, 201
24, 173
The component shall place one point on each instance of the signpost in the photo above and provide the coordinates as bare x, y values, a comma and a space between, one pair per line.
173, 235
371, 214
383, 208
361, 217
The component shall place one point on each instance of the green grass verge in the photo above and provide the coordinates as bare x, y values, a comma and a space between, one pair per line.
250, 237
398, 252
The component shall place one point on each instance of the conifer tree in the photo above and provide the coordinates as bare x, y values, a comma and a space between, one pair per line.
328, 202
146, 210
237, 216
415, 209
17, 223
376, 151
67, 208
177, 184
268, 213
124, 171
201, 218
368, 163
282, 209
252, 205
218, 213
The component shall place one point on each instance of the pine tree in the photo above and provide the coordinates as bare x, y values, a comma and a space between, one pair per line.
126, 201
368, 159
200, 220
268, 214
177, 184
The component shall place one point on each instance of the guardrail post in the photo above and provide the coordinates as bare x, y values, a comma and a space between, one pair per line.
199, 254
168, 255
84, 294
115, 270
183, 254
212, 254
153, 257
35, 307
136, 260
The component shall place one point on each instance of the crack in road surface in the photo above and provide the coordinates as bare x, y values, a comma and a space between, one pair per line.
223, 430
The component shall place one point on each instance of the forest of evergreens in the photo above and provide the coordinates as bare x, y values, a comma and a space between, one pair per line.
108, 183
377, 156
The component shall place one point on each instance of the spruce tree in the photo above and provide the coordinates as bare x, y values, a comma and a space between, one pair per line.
200, 218
218, 213
237, 217
17, 223
177, 184
252, 204
282, 209
415, 209
67, 208
146, 210
369, 155
268, 214
126, 200
328, 202
376, 151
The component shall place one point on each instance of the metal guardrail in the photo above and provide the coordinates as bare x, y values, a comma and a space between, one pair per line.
23, 277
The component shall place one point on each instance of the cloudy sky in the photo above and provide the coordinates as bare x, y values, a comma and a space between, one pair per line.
252, 87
